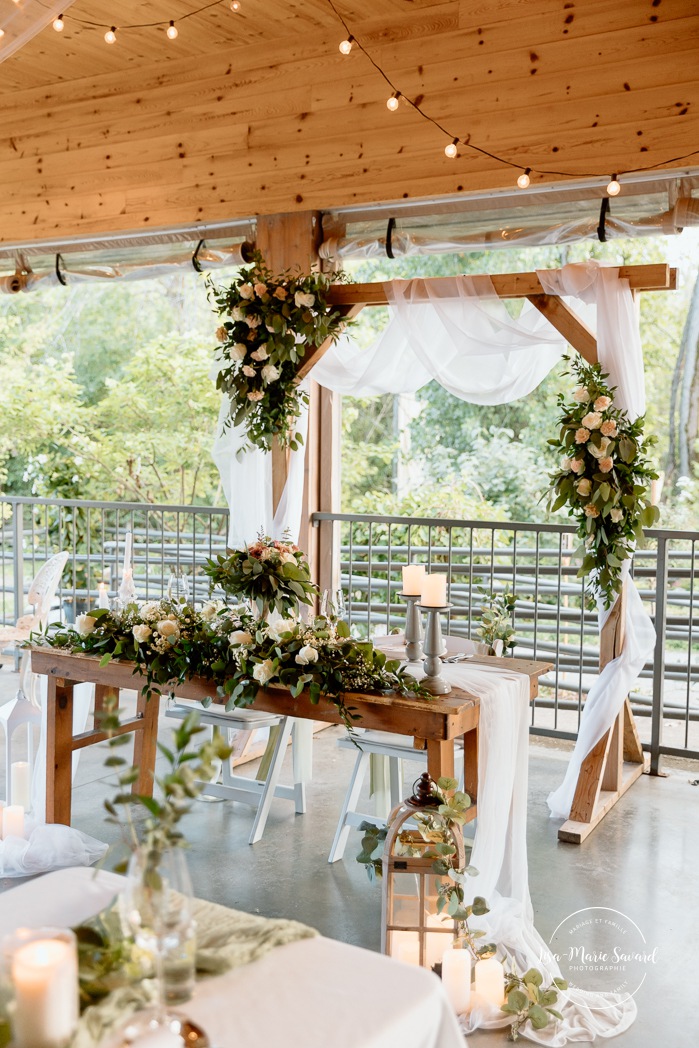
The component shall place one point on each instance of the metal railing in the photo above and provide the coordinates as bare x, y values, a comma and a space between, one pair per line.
164, 537
553, 619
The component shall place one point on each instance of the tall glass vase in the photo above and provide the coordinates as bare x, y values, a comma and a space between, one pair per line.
156, 909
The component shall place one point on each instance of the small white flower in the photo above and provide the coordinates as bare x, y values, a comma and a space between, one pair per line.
260, 354
150, 610
264, 671
303, 299
249, 371
85, 624
141, 633
238, 351
581, 394
246, 291
240, 637
270, 373
306, 655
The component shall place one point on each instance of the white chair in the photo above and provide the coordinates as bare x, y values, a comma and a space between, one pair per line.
381, 744
25, 709
256, 793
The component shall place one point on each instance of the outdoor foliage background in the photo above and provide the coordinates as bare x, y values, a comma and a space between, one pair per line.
105, 393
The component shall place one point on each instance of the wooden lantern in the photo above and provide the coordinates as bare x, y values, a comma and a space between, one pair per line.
411, 929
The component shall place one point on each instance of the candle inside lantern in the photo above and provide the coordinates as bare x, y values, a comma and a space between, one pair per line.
456, 978
434, 591
45, 981
490, 980
436, 942
413, 576
20, 785
102, 595
405, 947
13, 821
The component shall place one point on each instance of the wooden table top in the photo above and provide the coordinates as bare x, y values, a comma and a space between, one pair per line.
440, 717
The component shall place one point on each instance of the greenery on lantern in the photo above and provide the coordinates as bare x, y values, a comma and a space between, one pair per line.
169, 642
274, 575
496, 618
603, 478
269, 321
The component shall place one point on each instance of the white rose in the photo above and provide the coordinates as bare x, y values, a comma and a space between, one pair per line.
150, 610
616, 514
601, 451
581, 394
565, 464
85, 624
584, 487
592, 421
169, 629
246, 291
286, 625
307, 654
238, 351
273, 633
141, 633
303, 299
211, 609
237, 314
240, 637
264, 671
260, 354
249, 371
287, 558
270, 373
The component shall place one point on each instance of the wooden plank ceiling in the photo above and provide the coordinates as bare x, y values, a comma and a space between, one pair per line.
258, 112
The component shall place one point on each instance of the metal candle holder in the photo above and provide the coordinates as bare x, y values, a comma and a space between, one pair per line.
434, 646
413, 627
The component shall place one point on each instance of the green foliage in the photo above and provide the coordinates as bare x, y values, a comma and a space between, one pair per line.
603, 478
270, 321
275, 575
496, 618
528, 1000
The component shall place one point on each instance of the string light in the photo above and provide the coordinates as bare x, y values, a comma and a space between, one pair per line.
110, 35
346, 45
524, 179
452, 150
2, 33
613, 189
172, 31
394, 101
235, 5
59, 24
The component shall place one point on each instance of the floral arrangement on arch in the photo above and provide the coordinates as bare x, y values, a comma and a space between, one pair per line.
273, 574
603, 478
169, 641
269, 321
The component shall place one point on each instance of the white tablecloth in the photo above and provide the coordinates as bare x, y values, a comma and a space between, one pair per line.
316, 993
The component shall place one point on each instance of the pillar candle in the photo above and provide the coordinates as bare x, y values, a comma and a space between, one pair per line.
413, 575
13, 821
405, 947
434, 591
456, 978
20, 784
45, 982
437, 942
102, 595
127, 553
490, 980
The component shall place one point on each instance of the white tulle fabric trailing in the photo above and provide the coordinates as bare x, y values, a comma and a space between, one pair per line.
48, 848
500, 856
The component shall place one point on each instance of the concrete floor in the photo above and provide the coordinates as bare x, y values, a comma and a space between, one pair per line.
642, 860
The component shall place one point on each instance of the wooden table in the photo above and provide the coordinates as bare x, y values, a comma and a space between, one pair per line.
435, 724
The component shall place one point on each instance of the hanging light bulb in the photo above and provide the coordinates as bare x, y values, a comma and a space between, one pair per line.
110, 35
452, 149
394, 101
346, 45
59, 24
524, 179
235, 5
613, 189
172, 31
2, 33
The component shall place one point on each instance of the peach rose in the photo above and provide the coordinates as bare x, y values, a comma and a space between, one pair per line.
255, 394
606, 464
602, 403
608, 428
576, 465
280, 293
591, 511
593, 420
581, 435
